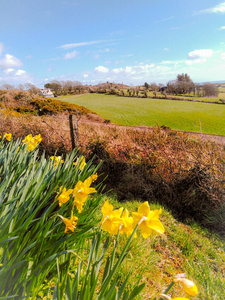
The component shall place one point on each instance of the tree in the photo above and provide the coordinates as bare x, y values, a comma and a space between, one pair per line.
146, 85
32, 88
7, 86
209, 89
154, 87
182, 85
54, 85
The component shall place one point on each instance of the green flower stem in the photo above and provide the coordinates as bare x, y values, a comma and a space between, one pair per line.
168, 289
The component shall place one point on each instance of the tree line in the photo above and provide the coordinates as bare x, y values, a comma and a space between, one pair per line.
182, 85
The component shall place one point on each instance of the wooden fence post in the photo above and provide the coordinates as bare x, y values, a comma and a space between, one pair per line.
74, 132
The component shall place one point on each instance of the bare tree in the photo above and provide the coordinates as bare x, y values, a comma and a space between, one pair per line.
209, 89
32, 88
6, 86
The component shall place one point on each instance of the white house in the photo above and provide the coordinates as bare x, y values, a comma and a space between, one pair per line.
46, 93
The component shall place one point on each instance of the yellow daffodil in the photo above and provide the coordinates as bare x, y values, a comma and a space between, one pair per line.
64, 196
57, 159
31, 141
167, 297
94, 177
8, 136
81, 192
127, 223
70, 223
27, 139
38, 138
188, 285
111, 220
148, 220
81, 162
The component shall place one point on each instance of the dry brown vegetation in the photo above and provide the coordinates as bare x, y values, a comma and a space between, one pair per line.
182, 172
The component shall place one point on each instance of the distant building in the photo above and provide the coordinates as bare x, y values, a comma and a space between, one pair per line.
46, 93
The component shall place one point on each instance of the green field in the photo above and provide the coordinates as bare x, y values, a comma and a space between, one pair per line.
178, 115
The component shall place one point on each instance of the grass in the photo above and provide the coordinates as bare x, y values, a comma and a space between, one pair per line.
178, 115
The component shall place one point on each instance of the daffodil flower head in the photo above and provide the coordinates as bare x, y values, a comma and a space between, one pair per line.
38, 138
94, 177
31, 141
82, 163
81, 192
64, 196
57, 159
188, 285
127, 223
148, 220
111, 220
27, 139
70, 223
8, 136
167, 297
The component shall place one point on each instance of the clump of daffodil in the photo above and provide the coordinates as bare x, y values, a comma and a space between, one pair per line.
147, 220
188, 285
70, 223
64, 196
111, 220
81, 192
8, 136
81, 162
31, 141
57, 160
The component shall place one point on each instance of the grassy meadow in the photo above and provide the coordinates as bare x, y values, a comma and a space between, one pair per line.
178, 115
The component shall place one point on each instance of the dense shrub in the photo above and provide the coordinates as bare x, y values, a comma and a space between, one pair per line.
50, 106
190, 189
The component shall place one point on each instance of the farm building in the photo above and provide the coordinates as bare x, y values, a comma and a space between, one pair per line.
46, 93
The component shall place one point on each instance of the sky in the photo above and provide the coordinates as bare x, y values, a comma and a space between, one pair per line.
121, 41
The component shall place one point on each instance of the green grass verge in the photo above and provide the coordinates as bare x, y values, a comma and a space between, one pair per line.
178, 115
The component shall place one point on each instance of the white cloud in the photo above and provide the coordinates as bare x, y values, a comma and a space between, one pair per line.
10, 70
20, 72
101, 69
222, 28
166, 49
220, 8
201, 53
223, 55
85, 75
195, 61
74, 45
199, 56
10, 61
117, 70
70, 55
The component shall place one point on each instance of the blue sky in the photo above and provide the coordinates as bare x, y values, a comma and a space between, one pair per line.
123, 41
